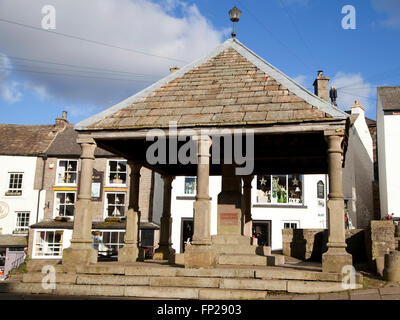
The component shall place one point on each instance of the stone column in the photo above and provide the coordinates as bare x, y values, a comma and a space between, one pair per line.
131, 251
248, 221
81, 250
336, 257
199, 254
165, 250
202, 205
230, 203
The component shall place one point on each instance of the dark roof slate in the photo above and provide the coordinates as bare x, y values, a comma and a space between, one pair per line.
65, 145
390, 98
26, 140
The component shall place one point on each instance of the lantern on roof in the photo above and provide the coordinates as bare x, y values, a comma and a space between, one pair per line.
234, 15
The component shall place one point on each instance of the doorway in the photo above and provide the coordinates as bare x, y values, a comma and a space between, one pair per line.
186, 232
262, 231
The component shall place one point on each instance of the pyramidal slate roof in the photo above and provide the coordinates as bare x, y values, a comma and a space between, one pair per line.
229, 86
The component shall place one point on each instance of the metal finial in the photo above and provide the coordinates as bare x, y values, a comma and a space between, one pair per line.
234, 15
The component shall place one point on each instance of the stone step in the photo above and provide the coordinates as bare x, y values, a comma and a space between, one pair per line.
231, 240
242, 259
251, 260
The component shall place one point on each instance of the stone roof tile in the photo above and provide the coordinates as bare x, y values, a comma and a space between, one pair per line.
232, 87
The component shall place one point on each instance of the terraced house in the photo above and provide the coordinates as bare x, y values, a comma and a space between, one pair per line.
52, 232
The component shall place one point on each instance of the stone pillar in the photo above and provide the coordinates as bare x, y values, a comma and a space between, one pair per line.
131, 251
165, 250
247, 219
202, 205
199, 254
336, 257
81, 250
230, 203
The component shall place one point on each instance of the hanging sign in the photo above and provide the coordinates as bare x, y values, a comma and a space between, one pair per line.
97, 185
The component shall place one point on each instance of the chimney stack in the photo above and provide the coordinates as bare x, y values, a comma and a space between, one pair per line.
321, 86
357, 108
62, 121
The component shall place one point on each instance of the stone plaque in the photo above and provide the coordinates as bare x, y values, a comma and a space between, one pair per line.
228, 219
4, 209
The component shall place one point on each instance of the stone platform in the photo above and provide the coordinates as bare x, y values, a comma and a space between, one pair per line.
158, 280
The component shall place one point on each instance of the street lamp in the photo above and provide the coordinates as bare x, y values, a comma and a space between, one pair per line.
234, 14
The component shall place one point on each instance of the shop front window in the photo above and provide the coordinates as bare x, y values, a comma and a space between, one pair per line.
48, 244
280, 189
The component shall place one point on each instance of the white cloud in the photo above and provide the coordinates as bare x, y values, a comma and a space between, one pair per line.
301, 79
141, 25
9, 89
391, 9
352, 87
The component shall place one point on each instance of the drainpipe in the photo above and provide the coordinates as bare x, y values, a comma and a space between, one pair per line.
44, 157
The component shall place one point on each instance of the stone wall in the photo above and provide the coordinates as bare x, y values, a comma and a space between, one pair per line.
310, 244
379, 240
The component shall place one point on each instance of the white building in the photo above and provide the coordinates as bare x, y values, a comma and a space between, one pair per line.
21, 194
358, 173
388, 135
303, 207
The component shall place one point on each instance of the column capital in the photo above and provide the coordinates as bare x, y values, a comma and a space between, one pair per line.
247, 180
134, 166
88, 146
85, 140
167, 179
334, 143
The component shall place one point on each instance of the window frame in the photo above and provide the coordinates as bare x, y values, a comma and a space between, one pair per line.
119, 244
287, 203
320, 185
106, 204
14, 191
55, 211
77, 173
108, 172
184, 186
297, 222
55, 245
19, 228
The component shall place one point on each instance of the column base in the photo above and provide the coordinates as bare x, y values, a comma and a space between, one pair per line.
391, 272
334, 261
164, 253
130, 254
200, 257
79, 256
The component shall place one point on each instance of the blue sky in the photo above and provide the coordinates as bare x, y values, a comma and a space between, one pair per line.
42, 74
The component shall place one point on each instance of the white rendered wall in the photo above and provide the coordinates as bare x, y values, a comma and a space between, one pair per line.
358, 174
312, 215
27, 202
391, 166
